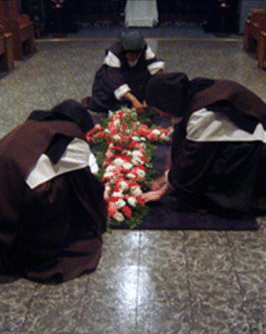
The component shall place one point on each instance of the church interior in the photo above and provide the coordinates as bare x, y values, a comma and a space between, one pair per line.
148, 281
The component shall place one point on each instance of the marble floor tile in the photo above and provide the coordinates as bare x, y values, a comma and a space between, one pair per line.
202, 239
209, 260
170, 244
248, 259
163, 301
110, 303
15, 301
120, 248
217, 304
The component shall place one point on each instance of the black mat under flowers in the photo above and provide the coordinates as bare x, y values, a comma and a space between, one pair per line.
173, 213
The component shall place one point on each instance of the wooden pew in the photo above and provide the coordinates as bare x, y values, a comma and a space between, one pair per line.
6, 51
252, 30
20, 26
262, 44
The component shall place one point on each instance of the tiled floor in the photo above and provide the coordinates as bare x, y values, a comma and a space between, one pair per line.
156, 282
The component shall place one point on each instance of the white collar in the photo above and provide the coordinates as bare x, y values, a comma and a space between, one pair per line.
76, 156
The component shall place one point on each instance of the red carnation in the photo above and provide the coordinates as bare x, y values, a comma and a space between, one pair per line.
118, 148
113, 199
152, 136
121, 115
138, 145
132, 184
127, 211
124, 127
106, 163
133, 144
89, 135
144, 130
140, 201
116, 189
112, 209
143, 159
141, 167
101, 134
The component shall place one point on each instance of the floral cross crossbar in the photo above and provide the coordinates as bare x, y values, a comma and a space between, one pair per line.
124, 151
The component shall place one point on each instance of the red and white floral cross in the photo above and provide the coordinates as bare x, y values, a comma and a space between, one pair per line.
127, 160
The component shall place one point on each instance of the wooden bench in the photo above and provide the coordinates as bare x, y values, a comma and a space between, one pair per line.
20, 26
252, 30
6, 51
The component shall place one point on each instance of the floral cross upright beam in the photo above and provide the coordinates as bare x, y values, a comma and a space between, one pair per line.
125, 148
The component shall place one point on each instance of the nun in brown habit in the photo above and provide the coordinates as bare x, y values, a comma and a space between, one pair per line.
52, 213
127, 67
218, 153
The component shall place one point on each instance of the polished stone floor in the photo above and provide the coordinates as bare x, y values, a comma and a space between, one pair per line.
148, 282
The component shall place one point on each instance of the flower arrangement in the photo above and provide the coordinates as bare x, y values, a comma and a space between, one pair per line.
124, 151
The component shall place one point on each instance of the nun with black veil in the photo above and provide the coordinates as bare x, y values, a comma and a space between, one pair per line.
121, 80
218, 152
52, 212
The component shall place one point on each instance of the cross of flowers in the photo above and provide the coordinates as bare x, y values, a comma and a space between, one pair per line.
124, 151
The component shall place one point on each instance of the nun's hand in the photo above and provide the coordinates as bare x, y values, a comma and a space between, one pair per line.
140, 109
151, 196
156, 195
158, 183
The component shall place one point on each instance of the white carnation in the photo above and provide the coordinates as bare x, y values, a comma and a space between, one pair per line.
126, 109
128, 165
137, 154
123, 185
118, 194
136, 191
110, 169
119, 216
98, 127
132, 201
131, 176
108, 174
141, 173
117, 137
120, 203
156, 132
118, 162
107, 187
136, 161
